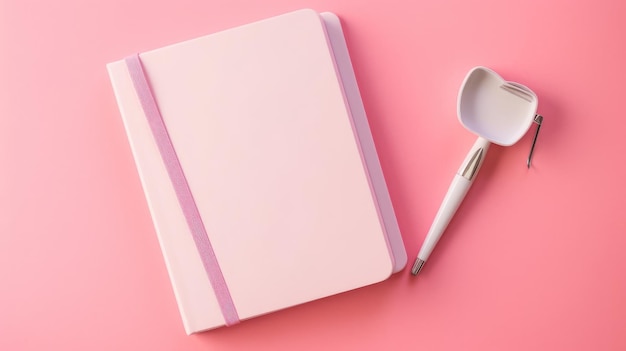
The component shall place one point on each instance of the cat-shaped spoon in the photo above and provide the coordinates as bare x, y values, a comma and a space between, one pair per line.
498, 112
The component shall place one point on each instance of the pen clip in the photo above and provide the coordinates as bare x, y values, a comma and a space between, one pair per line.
538, 121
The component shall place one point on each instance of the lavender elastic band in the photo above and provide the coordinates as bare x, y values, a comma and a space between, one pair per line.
181, 187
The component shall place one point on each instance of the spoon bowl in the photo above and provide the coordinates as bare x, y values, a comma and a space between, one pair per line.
497, 110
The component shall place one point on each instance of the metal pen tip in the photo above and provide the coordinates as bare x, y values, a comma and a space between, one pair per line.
417, 266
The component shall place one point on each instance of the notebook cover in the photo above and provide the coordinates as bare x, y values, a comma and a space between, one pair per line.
265, 136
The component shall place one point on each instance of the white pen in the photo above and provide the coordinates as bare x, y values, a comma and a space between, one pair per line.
498, 112
459, 187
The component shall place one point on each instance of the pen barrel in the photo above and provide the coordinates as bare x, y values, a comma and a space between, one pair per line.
456, 193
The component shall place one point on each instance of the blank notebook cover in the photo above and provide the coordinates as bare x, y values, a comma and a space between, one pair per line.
269, 130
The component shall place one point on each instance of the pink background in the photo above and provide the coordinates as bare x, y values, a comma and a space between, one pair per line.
531, 261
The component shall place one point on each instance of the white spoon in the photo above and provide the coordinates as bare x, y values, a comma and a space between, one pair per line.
498, 112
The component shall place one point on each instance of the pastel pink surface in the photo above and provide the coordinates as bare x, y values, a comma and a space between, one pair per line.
532, 259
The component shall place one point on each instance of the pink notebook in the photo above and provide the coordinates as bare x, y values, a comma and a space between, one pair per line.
259, 168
